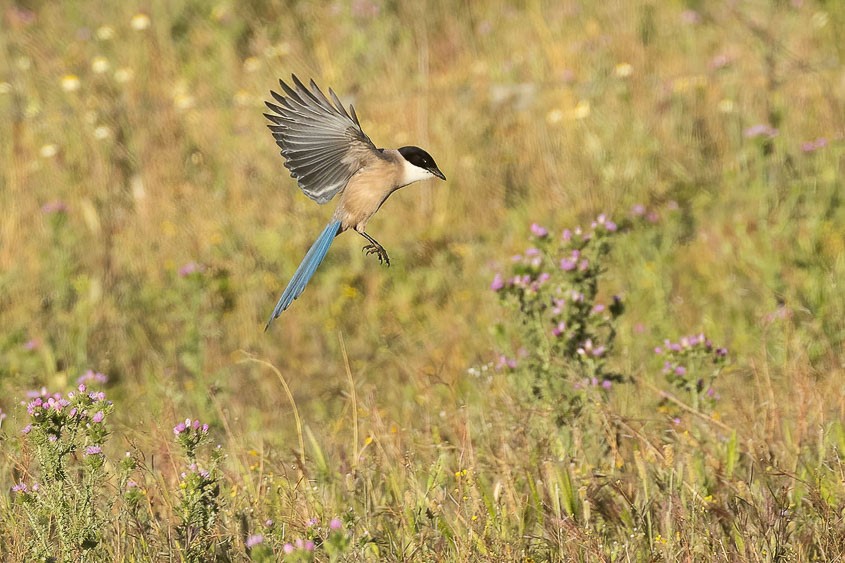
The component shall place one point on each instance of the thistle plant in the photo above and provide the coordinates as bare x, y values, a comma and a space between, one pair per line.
334, 540
565, 330
65, 506
338, 540
299, 551
199, 506
691, 365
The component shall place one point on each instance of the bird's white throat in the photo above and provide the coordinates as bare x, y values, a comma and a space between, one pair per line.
411, 173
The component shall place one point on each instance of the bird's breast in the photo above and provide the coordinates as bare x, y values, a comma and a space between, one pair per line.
365, 193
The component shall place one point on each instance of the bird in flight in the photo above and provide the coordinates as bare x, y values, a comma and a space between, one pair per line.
328, 154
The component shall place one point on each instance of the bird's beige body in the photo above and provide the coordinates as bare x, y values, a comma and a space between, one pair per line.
367, 190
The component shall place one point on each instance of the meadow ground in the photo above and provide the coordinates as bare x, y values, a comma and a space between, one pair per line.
664, 384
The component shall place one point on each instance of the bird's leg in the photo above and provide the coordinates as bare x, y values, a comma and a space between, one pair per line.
375, 248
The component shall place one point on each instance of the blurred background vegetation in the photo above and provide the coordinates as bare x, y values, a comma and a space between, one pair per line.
148, 226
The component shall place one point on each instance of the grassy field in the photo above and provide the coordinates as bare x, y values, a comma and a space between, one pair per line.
664, 384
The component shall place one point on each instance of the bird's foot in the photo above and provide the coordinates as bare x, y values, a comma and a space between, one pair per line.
379, 251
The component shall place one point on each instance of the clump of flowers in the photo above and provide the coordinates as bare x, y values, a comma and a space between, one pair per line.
566, 329
65, 425
691, 365
259, 549
199, 486
68, 433
300, 550
333, 539
190, 434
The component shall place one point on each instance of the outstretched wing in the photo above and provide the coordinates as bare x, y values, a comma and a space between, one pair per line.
322, 144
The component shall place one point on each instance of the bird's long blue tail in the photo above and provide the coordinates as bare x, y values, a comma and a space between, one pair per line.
306, 269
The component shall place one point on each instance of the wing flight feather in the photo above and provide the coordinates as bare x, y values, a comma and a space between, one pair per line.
322, 143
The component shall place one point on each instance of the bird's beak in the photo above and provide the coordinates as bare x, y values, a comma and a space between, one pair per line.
438, 173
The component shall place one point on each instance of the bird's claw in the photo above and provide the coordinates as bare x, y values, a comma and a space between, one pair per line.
379, 251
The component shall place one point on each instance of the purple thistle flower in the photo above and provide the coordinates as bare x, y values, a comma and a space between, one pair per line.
98, 416
606, 384
638, 210
505, 362
721, 352
191, 268
52, 437
33, 405
680, 370
26, 429
498, 283
254, 539
812, 146
288, 548
55, 206
559, 329
760, 130
309, 545
20, 488
567, 264
335, 524
93, 450
179, 428
566, 235
32, 344
33, 394
538, 231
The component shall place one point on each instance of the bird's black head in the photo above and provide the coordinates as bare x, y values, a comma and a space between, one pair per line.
421, 159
